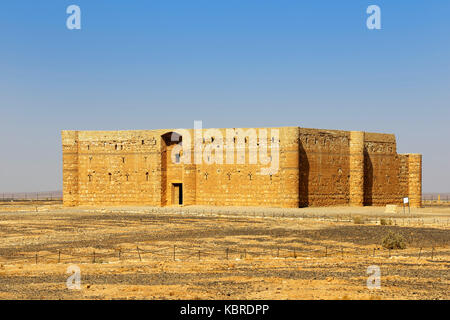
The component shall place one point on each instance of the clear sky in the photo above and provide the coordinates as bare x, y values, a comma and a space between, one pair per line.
230, 63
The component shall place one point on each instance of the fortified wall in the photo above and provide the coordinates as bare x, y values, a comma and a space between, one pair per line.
315, 168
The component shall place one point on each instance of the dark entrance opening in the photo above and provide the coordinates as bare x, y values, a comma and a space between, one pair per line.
177, 197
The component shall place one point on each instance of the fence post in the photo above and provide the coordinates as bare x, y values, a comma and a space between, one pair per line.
432, 253
94, 257
59, 256
36, 258
326, 251
173, 252
227, 253
139, 254
295, 254
199, 255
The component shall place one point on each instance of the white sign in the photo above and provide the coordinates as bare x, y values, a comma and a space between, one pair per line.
406, 200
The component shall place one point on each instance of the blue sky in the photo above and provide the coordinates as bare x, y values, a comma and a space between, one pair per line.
164, 64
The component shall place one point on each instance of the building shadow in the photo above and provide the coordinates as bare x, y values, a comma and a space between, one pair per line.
368, 179
303, 176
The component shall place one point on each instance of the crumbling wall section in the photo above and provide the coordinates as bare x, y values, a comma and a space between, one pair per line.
381, 170
324, 167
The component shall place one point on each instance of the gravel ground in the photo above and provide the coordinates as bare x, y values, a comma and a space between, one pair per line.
239, 253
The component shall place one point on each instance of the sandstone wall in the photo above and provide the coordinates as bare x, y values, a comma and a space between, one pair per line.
357, 173
316, 168
244, 185
415, 180
324, 167
381, 170
403, 175
114, 168
70, 167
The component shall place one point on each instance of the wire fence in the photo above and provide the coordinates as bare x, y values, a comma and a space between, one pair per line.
401, 218
180, 253
436, 199
58, 196
31, 196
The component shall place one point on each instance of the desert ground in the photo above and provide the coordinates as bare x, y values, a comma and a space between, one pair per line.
221, 253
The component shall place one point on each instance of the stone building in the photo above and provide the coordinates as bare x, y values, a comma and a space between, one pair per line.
315, 167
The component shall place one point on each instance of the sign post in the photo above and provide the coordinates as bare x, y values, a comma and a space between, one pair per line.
406, 202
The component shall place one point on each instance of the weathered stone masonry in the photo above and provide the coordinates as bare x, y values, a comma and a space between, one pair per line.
317, 168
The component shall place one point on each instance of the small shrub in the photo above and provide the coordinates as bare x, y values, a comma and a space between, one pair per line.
394, 241
358, 220
385, 222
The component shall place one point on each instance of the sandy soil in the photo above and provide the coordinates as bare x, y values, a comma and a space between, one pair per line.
220, 253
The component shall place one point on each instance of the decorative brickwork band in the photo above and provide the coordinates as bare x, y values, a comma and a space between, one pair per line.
356, 168
415, 180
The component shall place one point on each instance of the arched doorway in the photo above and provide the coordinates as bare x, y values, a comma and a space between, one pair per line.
171, 170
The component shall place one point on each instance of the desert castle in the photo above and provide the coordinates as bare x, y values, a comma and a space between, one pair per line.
271, 167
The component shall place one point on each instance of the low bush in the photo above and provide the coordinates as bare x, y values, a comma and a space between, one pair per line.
358, 220
393, 241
